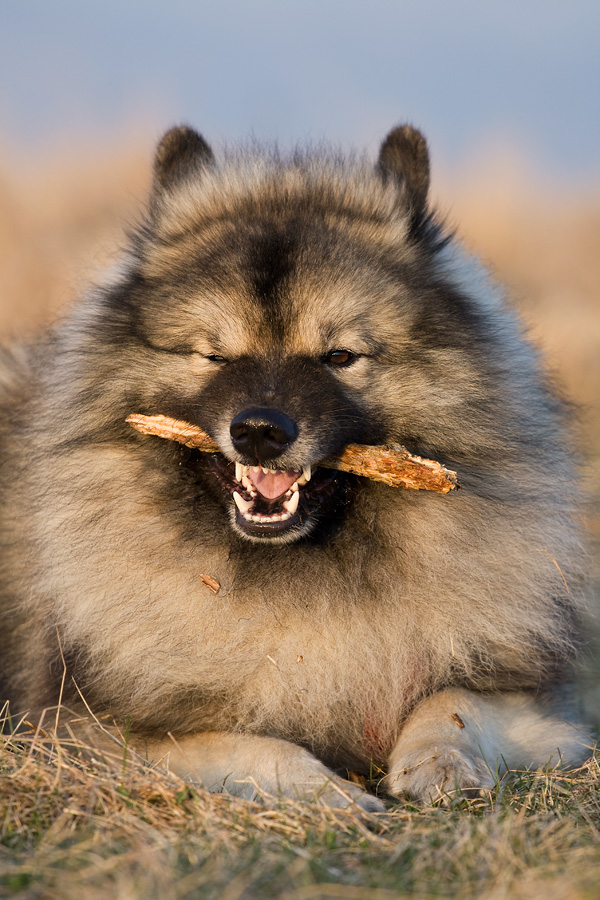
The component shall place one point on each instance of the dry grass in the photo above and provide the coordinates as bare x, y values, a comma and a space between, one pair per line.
74, 825
61, 224
543, 241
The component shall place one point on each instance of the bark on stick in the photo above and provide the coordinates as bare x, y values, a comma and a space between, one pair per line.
392, 465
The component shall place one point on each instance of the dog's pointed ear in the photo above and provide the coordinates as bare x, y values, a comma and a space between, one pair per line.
182, 153
404, 157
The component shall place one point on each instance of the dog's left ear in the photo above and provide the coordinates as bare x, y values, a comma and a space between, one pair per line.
404, 157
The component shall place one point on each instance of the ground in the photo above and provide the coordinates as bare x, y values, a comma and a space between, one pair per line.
71, 827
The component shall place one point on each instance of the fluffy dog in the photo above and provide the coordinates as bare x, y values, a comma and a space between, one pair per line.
288, 307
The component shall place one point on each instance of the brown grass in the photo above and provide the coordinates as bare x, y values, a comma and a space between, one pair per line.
61, 224
76, 824
543, 241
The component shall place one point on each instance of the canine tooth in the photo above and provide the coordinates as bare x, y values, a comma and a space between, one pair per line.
239, 471
292, 505
306, 473
242, 505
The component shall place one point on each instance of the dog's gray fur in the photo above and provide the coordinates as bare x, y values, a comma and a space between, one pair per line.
381, 623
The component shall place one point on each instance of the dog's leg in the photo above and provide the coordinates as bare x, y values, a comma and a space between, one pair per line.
246, 765
461, 739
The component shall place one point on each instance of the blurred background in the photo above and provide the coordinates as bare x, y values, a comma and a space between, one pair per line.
507, 94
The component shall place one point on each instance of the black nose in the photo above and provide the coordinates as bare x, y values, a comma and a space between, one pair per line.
262, 434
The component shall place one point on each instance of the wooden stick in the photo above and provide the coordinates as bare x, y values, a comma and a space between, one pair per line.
392, 465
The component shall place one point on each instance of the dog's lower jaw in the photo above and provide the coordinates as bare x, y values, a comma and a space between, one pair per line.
297, 528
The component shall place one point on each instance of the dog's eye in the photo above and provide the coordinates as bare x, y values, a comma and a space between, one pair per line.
214, 357
340, 358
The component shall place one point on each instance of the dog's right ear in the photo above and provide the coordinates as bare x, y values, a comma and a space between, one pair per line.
181, 154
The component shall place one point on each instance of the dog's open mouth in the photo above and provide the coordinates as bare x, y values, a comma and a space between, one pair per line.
284, 504
270, 503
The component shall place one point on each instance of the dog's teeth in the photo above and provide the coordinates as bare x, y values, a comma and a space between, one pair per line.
306, 474
291, 505
242, 505
239, 471
247, 483
293, 488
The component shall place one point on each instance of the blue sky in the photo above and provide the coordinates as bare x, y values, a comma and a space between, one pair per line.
467, 71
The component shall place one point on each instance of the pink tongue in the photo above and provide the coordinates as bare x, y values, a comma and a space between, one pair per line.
272, 486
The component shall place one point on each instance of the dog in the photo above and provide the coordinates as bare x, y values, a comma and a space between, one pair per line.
284, 622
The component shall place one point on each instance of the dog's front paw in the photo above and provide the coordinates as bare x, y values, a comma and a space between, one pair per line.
271, 768
322, 787
434, 773
340, 794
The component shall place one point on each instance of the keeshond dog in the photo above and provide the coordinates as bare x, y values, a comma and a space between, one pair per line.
283, 622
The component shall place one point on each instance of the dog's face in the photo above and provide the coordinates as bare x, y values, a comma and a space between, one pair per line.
289, 316
272, 347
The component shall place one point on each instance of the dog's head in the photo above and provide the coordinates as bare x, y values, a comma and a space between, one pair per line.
288, 308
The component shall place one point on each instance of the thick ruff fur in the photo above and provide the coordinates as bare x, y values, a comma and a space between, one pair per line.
429, 635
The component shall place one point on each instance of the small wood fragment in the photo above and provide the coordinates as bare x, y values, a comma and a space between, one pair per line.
355, 778
392, 465
458, 720
211, 583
